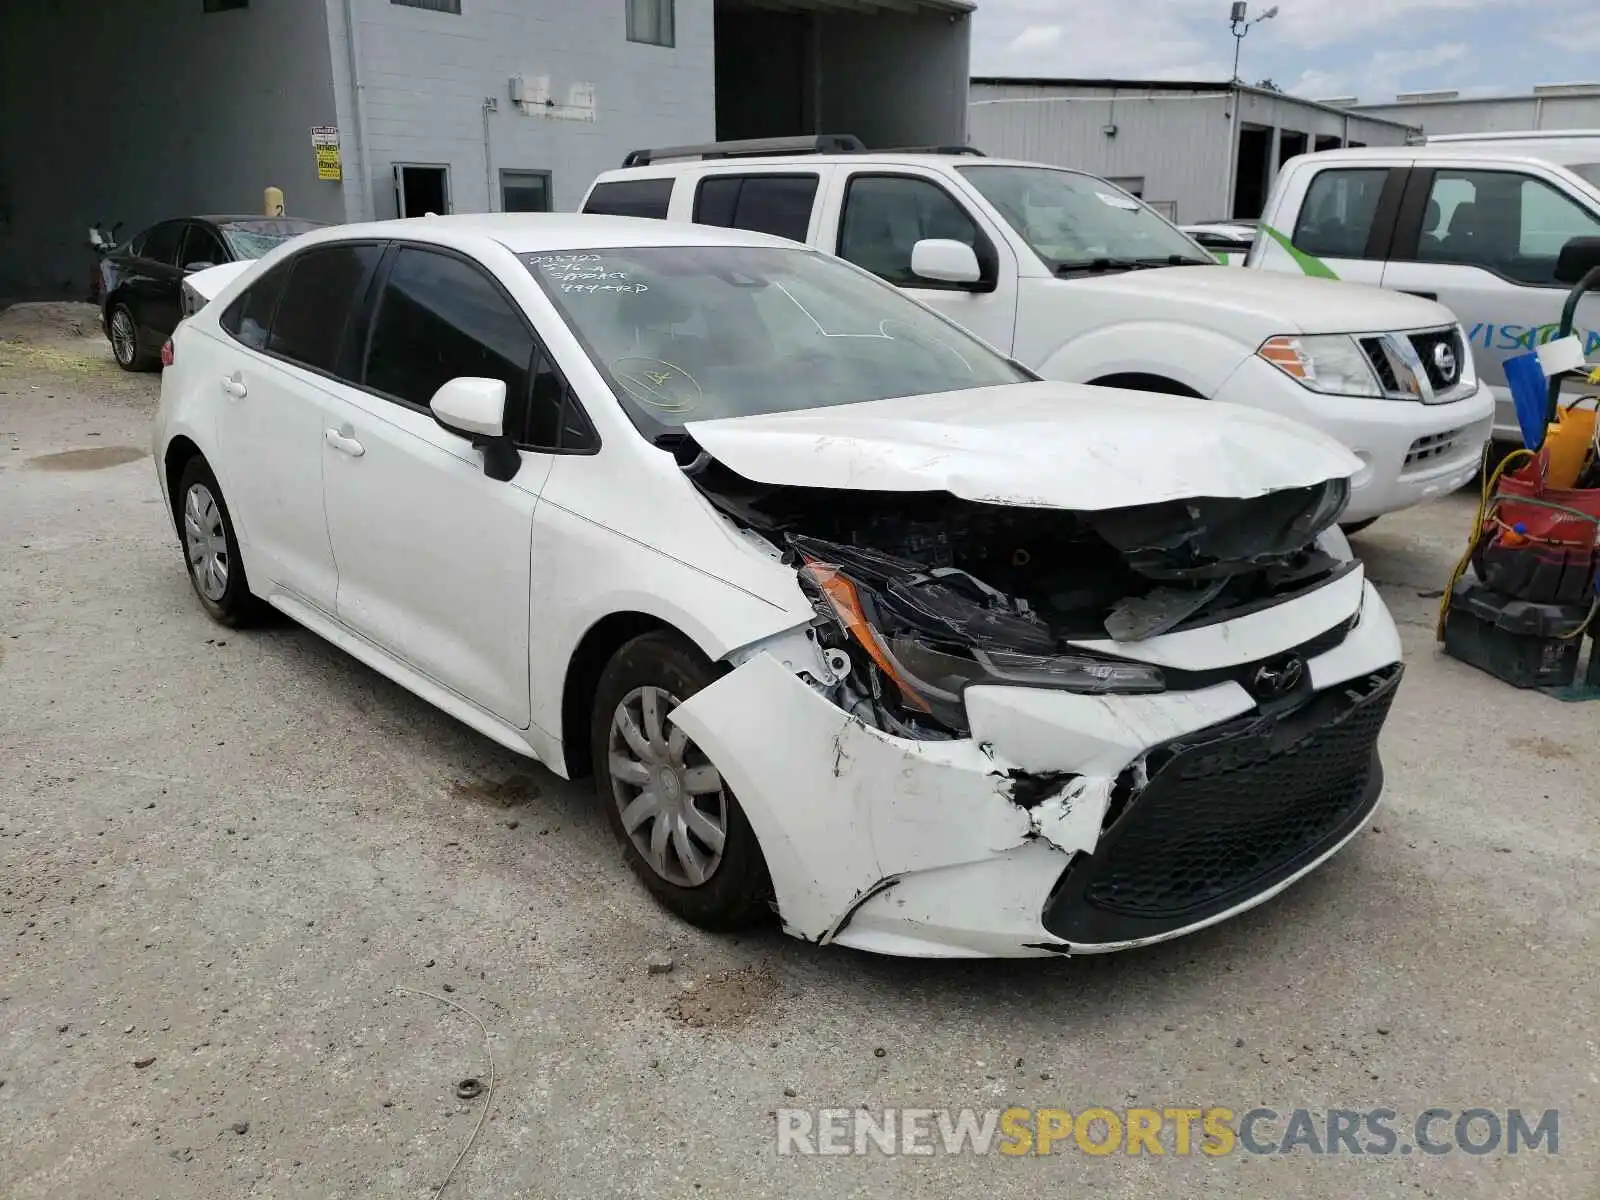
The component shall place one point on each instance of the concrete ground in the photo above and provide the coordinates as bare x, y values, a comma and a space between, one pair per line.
224, 857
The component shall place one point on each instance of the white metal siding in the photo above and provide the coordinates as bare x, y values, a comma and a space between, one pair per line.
1512, 114
425, 76
1177, 143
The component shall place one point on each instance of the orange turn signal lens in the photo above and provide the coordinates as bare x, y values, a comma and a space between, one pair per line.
841, 596
1285, 354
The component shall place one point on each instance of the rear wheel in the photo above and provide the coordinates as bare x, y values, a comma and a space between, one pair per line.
212, 550
683, 831
126, 343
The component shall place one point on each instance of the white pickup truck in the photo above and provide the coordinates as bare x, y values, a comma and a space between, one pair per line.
1081, 282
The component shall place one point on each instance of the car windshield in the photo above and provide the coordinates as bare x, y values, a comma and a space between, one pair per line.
1078, 221
254, 238
693, 333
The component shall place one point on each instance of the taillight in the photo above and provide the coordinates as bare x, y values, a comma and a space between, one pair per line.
166, 353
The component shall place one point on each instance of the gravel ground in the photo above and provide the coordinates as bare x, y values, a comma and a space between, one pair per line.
245, 879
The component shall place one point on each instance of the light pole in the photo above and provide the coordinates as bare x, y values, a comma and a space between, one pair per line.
1240, 23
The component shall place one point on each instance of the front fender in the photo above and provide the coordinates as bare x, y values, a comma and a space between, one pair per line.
1199, 359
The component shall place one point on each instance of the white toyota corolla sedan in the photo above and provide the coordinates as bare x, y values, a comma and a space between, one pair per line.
851, 618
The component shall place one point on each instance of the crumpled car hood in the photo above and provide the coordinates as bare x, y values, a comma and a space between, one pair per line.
1032, 445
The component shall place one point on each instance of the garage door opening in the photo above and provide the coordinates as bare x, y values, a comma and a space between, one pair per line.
892, 75
420, 189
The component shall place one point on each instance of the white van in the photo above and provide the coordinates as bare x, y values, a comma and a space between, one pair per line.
1473, 221
1083, 283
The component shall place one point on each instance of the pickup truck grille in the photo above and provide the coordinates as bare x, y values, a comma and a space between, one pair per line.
1436, 359
1442, 355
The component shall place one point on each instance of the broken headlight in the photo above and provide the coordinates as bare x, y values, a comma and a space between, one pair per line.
942, 674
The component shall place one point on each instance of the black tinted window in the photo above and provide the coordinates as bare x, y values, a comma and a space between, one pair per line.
161, 242
631, 198
553, 419
775, 204
1340, 206
249, 318
440, 318
202, 245
324, 285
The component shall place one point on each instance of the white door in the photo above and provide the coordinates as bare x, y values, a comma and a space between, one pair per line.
1487, 249
884, 212
433, 554
270, 421
1342, 225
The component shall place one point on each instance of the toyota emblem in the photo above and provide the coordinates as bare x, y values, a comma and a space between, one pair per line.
1444, 360
1272, 681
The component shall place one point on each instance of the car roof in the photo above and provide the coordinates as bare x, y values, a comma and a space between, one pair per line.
1500, 149
539, 233
233, 218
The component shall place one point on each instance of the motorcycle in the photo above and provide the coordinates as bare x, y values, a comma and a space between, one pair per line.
102, 242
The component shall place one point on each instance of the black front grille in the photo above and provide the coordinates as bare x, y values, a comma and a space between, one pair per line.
1373, 349
1427, 347
1227, 814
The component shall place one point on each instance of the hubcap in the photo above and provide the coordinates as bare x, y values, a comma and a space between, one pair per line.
206, 542
673, 803
122, 335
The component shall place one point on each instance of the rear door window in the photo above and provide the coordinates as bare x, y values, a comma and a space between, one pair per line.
325, 285
776, 204
631, 198
249, 317
1337, 215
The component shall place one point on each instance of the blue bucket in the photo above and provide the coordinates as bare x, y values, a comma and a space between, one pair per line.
1530, 390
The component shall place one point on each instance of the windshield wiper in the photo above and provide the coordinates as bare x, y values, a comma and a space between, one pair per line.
1099, 266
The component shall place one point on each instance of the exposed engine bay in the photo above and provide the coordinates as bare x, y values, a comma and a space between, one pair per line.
927, 593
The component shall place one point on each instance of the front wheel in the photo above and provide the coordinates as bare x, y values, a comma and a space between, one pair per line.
681, 828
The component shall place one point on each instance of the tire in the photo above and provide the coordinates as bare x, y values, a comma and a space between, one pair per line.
734, 890
205, 531
1357, 526
127, 343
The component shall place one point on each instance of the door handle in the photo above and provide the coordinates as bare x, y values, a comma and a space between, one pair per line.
234, 386
343, 443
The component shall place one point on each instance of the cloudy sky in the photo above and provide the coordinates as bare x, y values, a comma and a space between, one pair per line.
1316, 48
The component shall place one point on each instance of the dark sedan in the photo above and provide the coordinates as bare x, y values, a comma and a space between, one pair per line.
139, 285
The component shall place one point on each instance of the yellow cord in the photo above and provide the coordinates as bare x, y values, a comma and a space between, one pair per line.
1490, 482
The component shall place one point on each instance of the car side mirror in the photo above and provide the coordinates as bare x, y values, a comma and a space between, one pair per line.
475, 408
197, 266
946, 261
1578, 257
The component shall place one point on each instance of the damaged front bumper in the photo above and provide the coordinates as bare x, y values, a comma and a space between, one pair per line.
1064, 823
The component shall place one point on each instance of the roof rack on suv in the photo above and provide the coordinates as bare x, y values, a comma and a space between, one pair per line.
824, 143
959, 150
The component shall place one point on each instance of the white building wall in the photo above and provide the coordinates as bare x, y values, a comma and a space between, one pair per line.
1510, 114
425, 75
1178, 143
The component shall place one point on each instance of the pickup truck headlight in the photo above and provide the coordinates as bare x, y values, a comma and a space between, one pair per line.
1333, 364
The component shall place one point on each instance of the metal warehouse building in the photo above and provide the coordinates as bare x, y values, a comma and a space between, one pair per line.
361, 108
1550, 106
1196, 151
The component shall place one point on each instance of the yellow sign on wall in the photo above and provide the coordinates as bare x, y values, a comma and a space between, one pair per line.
325, 144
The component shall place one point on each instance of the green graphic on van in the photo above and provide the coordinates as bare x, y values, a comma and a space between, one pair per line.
1525, 337
1309, 264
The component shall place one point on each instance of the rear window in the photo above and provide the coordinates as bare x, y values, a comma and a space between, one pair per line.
775, 204
249, 318
253, 239
160, 243
631, 198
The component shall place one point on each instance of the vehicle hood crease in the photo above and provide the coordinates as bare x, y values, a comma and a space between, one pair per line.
1032, 445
